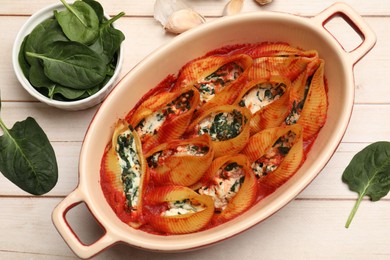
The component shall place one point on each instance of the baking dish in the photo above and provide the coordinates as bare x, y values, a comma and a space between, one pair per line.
306, 33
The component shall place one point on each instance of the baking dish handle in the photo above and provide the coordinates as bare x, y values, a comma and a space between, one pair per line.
356, 22
78, 247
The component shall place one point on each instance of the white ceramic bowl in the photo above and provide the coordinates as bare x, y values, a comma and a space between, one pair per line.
88, 102
307, 33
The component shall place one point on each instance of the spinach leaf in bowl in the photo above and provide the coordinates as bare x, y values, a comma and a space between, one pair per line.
79, 22
72, 64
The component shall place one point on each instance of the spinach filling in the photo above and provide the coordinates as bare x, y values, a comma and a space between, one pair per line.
297, 106
262, 95
153, 122
216, 82
189, 149
225, 186
131, 167
182, 207
271, 160
224, 125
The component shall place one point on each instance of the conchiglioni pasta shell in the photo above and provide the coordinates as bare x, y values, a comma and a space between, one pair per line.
313, 114
185, 223
182, 170
259, 143
173, 127
289, 66
273, 114
279, 49
196, 71
113, 163
231, 146
245, 197
111, 182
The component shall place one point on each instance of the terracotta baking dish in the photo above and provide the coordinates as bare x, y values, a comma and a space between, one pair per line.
307, 33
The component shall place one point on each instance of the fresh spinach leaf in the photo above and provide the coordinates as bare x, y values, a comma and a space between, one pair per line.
27, 158
44, 34
61, 73
97, 7
72, 64
79, 22
39, 80
22, 59
109, 40
368, 174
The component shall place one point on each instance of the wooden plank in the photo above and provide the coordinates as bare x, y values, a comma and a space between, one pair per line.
304, 229
205, 7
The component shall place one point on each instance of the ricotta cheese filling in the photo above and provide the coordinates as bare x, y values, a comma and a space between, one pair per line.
131, 168
182, 207
159, 157
216, 82
297, 107
222, 126
271, 160
152, 123
225, 185
262, 95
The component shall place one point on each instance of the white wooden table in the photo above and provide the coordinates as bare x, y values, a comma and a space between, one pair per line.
310, 227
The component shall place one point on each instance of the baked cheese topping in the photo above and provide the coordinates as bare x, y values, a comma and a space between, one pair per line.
225, 185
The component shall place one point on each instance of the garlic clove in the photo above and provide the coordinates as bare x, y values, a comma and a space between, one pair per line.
183, 20
263, 2
176, 16
165, 8
233, 7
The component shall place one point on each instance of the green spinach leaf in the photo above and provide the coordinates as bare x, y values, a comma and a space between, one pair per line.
43, 35
368, 174
39, 80
109, 40
97, 7
72, 64
27, 158
79, 22
23, 63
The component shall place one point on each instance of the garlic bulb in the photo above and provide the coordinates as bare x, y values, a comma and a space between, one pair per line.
263, 2
176, 16
233, 7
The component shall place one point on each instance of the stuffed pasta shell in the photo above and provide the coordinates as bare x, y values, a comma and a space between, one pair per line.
216, 77
232, 185
228, 126
165, 116
125, 174
290, 66
275, 154
268, 100
179, 210
276, 49
309, 102
180, 162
